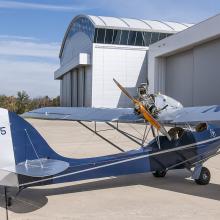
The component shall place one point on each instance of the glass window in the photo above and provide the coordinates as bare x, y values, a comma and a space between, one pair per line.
116, 37
139, 39
162, 36
124, 38
132, 37
96, 35
108, 36
147, 38
169, 35
101, 36
154, 37
82, 25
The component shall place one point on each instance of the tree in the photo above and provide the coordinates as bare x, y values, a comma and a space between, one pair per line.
22, 102
8, 103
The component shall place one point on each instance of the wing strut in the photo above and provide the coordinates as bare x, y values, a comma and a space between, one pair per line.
99, 135
147, 116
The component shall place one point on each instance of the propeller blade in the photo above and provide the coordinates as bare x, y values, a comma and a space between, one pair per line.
125, 91
148, 117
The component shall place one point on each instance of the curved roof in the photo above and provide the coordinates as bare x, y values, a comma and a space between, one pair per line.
129, 24
137, 24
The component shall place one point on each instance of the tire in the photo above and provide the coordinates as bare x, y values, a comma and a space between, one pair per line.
159, 173
204, 177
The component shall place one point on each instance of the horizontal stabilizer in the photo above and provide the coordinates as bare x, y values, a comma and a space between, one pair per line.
38, 168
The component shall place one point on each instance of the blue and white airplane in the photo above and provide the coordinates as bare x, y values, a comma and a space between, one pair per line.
27, 160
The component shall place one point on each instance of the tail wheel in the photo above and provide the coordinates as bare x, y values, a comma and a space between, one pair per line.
204, 177
159, 173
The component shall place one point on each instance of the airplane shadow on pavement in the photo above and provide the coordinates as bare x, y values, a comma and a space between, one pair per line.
32, 199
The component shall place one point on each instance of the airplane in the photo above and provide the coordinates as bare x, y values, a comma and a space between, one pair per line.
27, 160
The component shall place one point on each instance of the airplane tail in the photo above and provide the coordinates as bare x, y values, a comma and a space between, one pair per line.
24, 151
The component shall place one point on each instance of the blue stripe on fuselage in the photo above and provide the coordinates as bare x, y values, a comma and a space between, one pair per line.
206, 150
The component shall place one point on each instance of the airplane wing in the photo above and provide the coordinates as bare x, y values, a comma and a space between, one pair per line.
122, 115
189, 115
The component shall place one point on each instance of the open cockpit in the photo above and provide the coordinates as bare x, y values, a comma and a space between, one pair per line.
179, 136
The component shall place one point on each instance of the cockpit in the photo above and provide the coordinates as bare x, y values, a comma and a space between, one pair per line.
180, 136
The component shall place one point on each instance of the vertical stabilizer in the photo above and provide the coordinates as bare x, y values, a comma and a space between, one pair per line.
24, 152
7, 158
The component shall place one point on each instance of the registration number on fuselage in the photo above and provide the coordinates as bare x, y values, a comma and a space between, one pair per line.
212, 133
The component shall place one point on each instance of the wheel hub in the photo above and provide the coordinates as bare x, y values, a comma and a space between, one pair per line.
204, 176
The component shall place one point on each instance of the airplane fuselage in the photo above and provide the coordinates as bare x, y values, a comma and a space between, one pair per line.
160, 154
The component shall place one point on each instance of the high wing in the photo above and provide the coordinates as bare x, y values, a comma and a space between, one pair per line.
122, 115
189, 115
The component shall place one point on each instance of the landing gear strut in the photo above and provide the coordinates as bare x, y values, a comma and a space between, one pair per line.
159, 173
9, 202
204, 177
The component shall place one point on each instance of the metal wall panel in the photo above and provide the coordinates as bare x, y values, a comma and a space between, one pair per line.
207, 73
74, 88
81, 86
68, 89
65, 90
79, 43
88, 87
128, 65
61, 92
192, 77
179, 77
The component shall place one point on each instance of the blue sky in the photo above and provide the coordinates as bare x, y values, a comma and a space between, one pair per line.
31, 33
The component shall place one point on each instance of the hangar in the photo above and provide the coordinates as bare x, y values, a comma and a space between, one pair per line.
186, 66
95, 49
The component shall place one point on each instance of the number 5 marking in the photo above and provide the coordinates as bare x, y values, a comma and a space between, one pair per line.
2, 130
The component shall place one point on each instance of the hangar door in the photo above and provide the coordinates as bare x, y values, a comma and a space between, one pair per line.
193, 76
179, 77
81, 84
73, 88
78, 87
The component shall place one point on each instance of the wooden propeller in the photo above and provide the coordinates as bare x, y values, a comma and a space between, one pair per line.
146, 114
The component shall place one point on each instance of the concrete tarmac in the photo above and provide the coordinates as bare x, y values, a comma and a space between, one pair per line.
128, 197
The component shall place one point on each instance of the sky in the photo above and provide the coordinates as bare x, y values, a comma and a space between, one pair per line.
32, 31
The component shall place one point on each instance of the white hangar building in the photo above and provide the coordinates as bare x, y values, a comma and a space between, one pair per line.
97, 49
186, 65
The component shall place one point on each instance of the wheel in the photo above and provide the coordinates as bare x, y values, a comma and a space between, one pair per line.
159, 173
204, 177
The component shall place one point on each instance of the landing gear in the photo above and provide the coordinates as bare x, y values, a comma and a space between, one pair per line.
9, 201
159, 173
204, 177
6, 202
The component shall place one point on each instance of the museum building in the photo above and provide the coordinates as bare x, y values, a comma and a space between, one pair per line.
96, 49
